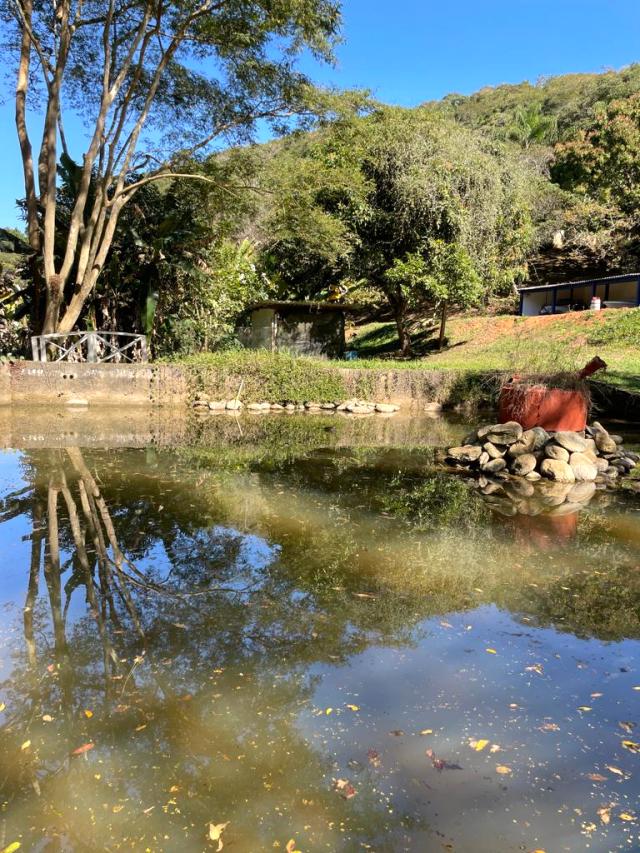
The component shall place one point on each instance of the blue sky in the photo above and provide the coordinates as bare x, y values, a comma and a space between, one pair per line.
409, 51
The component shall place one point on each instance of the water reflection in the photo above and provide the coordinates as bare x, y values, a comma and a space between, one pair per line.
198, 629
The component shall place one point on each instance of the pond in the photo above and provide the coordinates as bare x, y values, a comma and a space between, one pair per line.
298, 633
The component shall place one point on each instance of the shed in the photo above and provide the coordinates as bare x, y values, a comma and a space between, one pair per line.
615, 291
302, 328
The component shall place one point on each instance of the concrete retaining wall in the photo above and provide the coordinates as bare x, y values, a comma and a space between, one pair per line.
34, 383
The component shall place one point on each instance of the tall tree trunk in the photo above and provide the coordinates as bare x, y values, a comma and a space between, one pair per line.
401, 324
443, 324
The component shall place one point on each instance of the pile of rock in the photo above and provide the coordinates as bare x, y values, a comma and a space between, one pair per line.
500, 450
351, 407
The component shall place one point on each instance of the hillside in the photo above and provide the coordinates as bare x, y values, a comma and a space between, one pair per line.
526, 344
569, 98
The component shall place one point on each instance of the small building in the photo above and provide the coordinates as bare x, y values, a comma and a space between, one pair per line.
615, 291
301, 328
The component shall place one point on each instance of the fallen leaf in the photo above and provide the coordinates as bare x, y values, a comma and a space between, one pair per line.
446, 625
88, 714
82, 749
426, 731
584, 708
495, 747
396, 732
117, 808
11, 848
328, 711
47, 718
626, 726
596, 695
549, 727
2, 707
26, 745
615, 770
605, 814
291, 846
478, 745
215, 833
439, 763
536, 667
503, 769
596, 777
626, 816
631, 745
353, 707
344, 788
491, 651
374, 758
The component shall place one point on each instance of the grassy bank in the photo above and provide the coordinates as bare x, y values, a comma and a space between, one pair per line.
279, 377
521, 344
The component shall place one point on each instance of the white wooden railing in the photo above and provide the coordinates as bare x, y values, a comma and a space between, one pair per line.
94, 347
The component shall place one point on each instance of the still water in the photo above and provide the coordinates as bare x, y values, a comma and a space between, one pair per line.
296, 633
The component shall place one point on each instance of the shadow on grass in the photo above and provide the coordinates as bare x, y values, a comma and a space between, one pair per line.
384, 341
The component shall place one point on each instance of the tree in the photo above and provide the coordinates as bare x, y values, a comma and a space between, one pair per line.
603, 161
433, 184
155, 83
442, 274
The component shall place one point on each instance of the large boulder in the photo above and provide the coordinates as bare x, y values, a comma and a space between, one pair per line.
525, 444
494, 466
524, 464
501, 434
466, 453
554, 451
604, 442
556, 470
583, 467
493, 451
571, 441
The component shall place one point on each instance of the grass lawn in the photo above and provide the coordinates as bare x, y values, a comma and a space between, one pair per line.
520, 344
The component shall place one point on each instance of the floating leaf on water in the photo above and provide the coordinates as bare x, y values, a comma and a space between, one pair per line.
11, 848
344, 788
47, 718
374, 758
328, 711
2, 707
549, 727
26, 745
446, 625
88, 714
353, 707
491, 651
615, 770
82, 749
584, 708
605, 814
478, 745
503, 769
215, 833
117, 808
536, 667
396, 732
596, 695
631, 745
626, 816
426, 731
596, 777
626, 726
291, 846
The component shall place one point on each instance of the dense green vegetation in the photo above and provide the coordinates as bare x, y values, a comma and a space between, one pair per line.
413, 213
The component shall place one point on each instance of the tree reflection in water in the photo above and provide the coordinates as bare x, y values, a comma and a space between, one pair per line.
181, 689
176, 618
